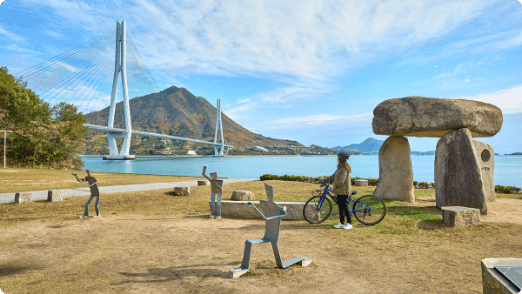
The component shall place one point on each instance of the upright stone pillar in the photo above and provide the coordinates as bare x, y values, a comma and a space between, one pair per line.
458, 178
395, 171
486, 162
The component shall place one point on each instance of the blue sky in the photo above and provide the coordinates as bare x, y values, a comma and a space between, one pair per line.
310, 72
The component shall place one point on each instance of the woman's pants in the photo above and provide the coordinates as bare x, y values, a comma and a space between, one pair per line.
343, 209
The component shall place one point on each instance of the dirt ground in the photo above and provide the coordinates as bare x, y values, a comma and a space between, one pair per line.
190, 253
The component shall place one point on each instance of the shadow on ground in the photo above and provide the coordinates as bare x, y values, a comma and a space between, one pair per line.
162, 275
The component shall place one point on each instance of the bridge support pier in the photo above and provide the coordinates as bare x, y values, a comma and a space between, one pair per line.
218, 150
120, 68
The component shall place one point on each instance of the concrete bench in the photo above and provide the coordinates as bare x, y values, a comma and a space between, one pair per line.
24, 197
501, 275
460, 216
238, 209
54, 195
363, 183
203, 183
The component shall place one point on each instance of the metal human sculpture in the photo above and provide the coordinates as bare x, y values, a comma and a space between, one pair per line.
216, 188
272, 214
93, 184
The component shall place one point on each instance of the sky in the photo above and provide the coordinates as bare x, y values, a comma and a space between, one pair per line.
309, 71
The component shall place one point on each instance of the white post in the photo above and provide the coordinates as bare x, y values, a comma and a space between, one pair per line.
5, 141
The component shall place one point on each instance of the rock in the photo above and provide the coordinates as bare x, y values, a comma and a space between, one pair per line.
243, 195
458, 216
395, 171
458, 179
182, 191
435, 117
24, 197
486, 160
203, 183
54, 195
363, 183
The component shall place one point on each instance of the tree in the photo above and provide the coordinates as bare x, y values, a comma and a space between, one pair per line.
42, 136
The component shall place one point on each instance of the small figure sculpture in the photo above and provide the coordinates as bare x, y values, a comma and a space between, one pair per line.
93, 184
273, 216
216, 188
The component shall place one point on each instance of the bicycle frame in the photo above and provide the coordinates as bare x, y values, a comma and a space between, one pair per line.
327, 191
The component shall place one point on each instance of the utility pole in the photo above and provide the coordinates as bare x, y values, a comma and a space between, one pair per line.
5, 140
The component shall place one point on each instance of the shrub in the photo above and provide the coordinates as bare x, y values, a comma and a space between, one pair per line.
373, 182
432, 185
423, 185
415, 183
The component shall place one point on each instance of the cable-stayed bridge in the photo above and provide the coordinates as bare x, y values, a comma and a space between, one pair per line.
89, 76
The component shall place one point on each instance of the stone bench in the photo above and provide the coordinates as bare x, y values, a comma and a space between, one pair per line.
459, 216
54, 195
363, 183
182, 191
501, 275
238, 209
24, 197
203, 183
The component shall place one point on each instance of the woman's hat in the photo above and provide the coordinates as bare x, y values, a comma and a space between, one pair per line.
343, 155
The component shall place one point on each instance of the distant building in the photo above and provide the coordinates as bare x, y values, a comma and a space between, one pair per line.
261, 148
191, 152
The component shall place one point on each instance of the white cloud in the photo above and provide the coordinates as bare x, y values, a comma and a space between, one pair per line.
320, 120
10, 35
508, 100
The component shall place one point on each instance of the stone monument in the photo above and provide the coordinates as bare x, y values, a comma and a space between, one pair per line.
463, 166
272, 214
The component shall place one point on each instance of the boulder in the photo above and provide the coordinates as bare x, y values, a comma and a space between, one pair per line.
243, 195
435, 117
24, 197
182, 191
395, 171
486, 160
458, 178
54, 195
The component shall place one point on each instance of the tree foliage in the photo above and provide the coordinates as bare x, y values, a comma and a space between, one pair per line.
43, 136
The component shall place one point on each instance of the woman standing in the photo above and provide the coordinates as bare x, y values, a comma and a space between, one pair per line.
342, 188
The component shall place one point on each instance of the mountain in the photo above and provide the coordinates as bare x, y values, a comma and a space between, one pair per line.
369, 145
177, 112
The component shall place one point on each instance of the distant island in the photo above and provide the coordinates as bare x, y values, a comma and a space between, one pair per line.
371, 146
516, 153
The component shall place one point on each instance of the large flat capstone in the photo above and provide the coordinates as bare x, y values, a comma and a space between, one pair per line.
434, 117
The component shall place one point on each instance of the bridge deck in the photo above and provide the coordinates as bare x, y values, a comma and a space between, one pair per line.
147, 134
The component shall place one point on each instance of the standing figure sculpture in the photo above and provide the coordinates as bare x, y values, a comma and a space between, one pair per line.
272, 214
93, 184
216, 189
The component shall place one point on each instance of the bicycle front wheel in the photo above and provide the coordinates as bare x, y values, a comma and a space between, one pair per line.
316, 210
369, 210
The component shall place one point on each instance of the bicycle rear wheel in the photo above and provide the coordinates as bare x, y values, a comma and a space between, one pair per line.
369, 210
314, 212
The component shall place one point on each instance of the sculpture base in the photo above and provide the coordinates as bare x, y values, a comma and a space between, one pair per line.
119, 157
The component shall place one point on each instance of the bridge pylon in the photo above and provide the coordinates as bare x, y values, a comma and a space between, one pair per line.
120, 68
218, 150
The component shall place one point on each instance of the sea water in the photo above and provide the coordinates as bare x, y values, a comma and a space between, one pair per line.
508, 168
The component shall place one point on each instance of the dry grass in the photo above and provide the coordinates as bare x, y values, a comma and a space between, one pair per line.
154, 242
20, 180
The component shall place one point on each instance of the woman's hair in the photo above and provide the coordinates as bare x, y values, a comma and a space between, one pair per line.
345, 164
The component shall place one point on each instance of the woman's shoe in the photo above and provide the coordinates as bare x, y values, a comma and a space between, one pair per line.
347, 226
339, 226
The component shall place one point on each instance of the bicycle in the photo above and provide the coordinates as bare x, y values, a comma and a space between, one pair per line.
368, 210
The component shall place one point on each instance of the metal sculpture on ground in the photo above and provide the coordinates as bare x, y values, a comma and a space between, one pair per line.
216, 188
93, 184
272, 214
